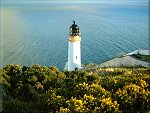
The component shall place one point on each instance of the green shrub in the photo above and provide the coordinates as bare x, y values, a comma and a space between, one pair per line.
133, 98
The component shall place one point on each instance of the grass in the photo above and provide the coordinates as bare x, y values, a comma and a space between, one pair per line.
145, 58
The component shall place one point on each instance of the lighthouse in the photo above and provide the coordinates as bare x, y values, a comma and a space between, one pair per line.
74, 50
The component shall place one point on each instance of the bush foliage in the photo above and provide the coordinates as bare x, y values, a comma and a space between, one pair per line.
48, 90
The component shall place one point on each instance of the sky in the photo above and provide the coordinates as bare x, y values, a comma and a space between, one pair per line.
79, 1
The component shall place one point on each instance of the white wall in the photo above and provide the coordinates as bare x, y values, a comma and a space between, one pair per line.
140, 51
131, 53
144, 52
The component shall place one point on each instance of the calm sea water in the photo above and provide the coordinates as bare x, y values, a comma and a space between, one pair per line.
38, 33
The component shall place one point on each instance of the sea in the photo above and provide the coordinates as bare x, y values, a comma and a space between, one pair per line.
37, 33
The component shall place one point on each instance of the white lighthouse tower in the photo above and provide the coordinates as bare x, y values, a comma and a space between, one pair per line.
74, 51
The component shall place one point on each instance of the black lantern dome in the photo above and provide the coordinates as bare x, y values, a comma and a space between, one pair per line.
74, 29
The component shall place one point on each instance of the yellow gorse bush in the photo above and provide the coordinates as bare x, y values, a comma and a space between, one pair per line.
109, 105
102, 90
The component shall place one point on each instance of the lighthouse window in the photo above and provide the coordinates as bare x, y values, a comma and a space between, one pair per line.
76, 57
